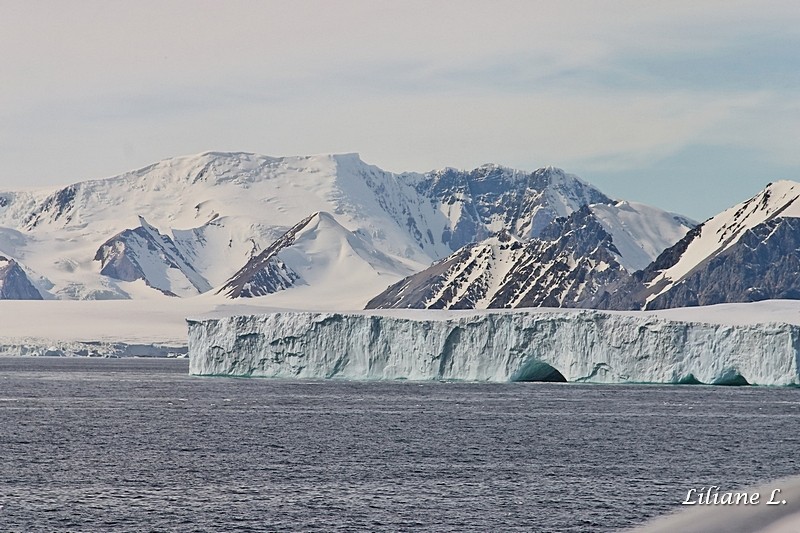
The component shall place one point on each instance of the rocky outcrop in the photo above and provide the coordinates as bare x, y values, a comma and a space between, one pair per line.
14, 283
144, 253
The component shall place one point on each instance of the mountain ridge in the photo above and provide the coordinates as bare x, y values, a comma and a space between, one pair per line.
220, 209
572, 263
490, 237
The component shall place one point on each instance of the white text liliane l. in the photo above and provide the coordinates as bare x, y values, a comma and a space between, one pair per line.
713, 496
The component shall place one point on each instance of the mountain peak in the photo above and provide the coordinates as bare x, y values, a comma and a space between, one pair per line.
552, 170
495, 166
318, 250
777, 197
316, 222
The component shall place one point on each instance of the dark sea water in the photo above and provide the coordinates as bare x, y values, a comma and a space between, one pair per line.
138, 445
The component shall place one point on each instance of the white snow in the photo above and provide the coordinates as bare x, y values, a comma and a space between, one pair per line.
504, 345
562, 194
325, 253
640, 232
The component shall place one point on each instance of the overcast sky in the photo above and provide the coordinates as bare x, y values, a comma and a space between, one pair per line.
691, 106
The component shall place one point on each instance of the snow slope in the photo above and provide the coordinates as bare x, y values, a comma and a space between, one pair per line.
527, 345
640, 232
316, 252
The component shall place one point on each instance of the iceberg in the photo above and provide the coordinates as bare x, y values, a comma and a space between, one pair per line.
513, 345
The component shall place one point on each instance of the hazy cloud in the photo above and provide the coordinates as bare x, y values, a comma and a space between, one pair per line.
96, 88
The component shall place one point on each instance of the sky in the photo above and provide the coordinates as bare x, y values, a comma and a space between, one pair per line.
691, 106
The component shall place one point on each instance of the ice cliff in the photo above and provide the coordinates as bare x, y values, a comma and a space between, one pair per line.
528, 345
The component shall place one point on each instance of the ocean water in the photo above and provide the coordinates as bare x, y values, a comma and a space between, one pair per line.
103, 445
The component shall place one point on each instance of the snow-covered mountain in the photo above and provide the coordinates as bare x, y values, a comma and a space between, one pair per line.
316, 252
573, 262
185, 225
749, 252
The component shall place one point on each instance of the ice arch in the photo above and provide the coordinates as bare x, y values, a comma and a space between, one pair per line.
536, 370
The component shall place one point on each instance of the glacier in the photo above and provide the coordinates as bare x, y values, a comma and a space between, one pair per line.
501, 346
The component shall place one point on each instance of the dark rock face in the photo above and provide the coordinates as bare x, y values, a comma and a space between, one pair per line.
555, 277
57, 206
139, 253
115, 261
522, 201
670, 256
14, 283
763, 264
572, 265
266, 273
630, 294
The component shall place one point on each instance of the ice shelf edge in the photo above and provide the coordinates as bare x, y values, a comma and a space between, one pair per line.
584, 346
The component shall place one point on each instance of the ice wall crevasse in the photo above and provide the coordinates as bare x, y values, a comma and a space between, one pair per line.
494, 346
